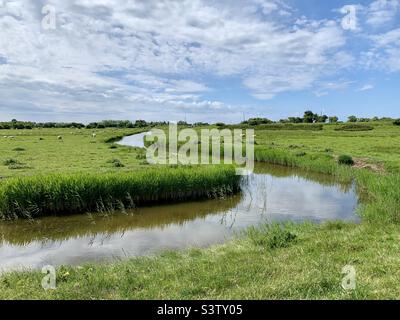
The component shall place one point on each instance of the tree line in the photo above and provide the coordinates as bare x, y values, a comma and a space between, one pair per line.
15, 124
311, 117
308, 117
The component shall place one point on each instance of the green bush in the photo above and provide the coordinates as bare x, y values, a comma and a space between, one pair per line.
346, 160
397, 122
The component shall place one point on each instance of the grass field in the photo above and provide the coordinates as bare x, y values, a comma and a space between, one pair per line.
39, 151
291, 262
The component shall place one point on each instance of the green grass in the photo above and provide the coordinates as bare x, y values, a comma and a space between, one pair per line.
270, 262
41, 152
60, 194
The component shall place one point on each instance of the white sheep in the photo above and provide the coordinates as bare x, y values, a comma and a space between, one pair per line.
59, 137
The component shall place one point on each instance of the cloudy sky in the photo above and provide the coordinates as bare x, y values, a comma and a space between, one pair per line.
206, 60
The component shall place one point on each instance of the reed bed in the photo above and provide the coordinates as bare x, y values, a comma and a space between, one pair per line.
62, 194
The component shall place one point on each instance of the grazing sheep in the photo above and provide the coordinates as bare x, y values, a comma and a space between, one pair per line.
59, 137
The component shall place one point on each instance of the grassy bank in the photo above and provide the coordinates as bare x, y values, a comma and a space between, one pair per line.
41, 195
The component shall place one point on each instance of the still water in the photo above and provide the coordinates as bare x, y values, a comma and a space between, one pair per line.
273, 193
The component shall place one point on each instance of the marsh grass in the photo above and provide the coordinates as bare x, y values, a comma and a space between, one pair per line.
271, 236
60, 194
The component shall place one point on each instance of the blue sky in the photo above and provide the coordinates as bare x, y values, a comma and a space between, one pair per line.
205, 60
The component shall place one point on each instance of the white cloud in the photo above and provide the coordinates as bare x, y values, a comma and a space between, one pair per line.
131, 56
381, 12
366, 87
385, 51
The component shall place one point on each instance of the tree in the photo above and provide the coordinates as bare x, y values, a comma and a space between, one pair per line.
140, 123
295, 120
322, 119
352, 119
257, 121
333, 119
309, 116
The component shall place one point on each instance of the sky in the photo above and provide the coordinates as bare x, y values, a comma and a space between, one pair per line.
199, 60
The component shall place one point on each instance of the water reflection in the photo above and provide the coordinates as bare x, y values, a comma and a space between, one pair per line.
136, 140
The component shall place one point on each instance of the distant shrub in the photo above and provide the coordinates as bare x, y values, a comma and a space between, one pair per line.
354, 127
346, 160
396, 122
257, 121
352, 119
19, 149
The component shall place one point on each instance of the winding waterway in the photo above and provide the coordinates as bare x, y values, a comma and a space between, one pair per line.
272, 193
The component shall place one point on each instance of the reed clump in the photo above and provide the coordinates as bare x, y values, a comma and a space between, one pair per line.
62, 194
